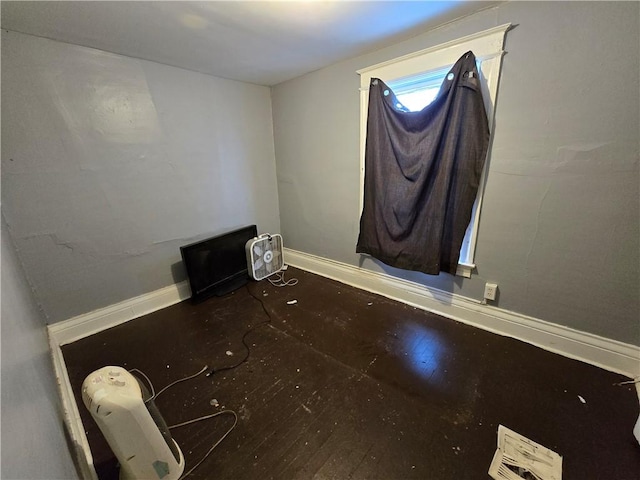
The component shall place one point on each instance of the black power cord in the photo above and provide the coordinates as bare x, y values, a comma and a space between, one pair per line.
244, 337
152, 395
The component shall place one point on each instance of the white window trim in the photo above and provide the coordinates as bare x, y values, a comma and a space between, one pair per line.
487, 46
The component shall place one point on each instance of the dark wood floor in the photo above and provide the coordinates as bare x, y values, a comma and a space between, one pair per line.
348, 384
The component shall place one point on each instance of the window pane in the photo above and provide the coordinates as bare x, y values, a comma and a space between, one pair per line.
417, 100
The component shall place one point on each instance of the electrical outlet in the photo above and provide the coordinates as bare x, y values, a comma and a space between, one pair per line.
490, 290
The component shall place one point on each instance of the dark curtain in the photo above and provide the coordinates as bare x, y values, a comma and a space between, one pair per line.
422, 171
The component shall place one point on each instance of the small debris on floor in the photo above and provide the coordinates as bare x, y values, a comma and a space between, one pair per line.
292, 302
582, 399
214, 403
229, 353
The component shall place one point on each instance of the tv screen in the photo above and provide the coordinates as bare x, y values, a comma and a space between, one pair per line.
217, 265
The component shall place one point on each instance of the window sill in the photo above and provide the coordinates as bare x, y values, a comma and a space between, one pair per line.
464, 270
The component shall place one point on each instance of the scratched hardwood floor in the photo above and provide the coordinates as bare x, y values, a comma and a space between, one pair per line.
347, 384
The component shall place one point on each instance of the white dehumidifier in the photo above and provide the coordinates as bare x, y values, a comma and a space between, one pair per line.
264, 255
134, 429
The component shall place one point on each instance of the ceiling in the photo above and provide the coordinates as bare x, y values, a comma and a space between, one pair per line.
261, 42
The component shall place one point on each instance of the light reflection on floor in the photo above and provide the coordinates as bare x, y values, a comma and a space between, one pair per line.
424, 350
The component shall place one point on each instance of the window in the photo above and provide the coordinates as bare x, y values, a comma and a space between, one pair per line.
416, 92
416, 79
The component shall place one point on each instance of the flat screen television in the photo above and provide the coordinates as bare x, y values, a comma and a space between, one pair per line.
217, 265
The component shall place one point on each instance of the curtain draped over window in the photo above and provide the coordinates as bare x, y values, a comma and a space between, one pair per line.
422, 172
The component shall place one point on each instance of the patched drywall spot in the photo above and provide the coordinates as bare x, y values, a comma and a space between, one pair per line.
112, 105
595, 158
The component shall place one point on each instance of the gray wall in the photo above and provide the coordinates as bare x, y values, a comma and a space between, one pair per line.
110, 163
559, 226
33, 442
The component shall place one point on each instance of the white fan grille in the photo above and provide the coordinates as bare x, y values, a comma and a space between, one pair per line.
264, 256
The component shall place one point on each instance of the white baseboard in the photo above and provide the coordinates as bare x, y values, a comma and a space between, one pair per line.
599, 351
82, 326
71, 415
87, 324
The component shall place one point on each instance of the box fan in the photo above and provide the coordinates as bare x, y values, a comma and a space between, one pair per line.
264, 256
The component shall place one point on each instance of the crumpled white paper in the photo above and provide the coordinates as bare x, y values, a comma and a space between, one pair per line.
519, 458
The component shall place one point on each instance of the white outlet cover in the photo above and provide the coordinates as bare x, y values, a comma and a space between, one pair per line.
490, 290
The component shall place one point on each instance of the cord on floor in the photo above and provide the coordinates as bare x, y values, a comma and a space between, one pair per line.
189, 422
280, 280
244, 339
213, 447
